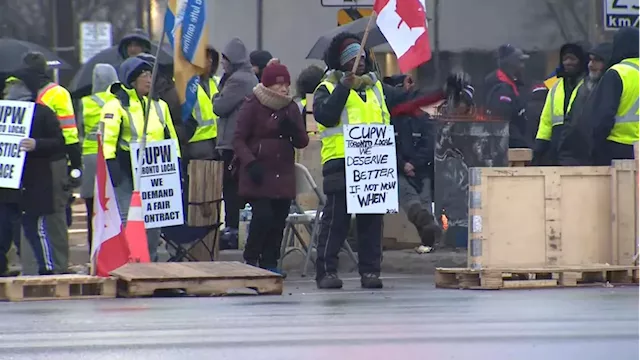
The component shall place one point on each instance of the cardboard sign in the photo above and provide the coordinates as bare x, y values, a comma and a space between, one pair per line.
15, 125
371, 169
160, 185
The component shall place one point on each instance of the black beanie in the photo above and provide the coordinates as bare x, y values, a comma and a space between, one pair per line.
260, 58
35, 61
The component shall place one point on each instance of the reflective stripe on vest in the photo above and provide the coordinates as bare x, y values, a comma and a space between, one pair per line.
132, 127
631, 115
197, 114
559, 119
93, 133
344, 116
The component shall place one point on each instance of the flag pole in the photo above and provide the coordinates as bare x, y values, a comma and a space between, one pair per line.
143, 141
364, 42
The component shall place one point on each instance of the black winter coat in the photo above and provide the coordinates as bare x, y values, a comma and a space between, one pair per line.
415, 140
504, 100
36, 196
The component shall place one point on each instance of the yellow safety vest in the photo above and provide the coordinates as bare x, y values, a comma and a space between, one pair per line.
625, 130
91, 108
553, 111
122, 126
356, 111
58, 99
204, 115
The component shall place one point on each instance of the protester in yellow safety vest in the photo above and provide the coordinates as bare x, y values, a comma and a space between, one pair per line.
307, 82
123, 123
203, 129
347, 98
615, 102
67, 173
103, 76
550, 134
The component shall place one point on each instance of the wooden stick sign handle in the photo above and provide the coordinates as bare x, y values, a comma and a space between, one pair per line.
364, 42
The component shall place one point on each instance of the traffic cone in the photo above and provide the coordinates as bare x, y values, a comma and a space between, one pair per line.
135, 232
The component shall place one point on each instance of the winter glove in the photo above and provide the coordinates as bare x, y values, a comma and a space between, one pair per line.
114, 172
256, 172
75, 178
348, 80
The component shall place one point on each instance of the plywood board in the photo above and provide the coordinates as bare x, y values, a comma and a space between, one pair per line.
624, 207
539, 216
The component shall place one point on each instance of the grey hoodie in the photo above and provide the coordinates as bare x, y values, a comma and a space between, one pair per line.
103, 76
236, 86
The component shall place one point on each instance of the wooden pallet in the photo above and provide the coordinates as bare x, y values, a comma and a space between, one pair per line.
195, 278
56, 287
496, 278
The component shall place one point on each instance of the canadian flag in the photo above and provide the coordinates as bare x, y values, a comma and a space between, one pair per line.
109, 249
404, 24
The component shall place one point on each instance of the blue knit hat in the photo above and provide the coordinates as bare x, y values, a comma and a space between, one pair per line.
130, 69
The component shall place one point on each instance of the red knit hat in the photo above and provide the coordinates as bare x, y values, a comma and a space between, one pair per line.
275, 74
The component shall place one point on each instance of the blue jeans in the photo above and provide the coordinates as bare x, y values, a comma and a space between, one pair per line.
35, 230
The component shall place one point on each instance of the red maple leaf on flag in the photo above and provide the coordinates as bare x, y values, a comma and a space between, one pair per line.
412, 13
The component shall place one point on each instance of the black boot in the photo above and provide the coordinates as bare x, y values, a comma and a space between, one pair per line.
370, 281
329, 281
429, 231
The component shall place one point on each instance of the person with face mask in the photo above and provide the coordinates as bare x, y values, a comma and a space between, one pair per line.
29, 205
236, 84
134, 43
554, 119
122, 121
576, 141
504, 94
269, 129
615, 102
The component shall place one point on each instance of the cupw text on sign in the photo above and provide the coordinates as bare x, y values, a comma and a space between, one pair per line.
160, 185
371, 174
15, 125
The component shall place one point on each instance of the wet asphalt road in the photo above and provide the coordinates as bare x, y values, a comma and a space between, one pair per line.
409, 319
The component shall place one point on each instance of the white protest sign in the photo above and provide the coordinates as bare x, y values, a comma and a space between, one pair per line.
15, 125
371, 169
160, 186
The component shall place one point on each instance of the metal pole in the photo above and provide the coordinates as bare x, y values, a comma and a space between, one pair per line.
259, 24
143, 141
436, 40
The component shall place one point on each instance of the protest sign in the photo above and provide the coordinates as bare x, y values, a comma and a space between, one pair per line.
371, 170
160, 186
15, 125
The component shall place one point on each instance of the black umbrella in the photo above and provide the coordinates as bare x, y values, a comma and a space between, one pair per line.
356, 27
81, 83
12, 51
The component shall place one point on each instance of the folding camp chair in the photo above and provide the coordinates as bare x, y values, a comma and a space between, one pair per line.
183, 239
309, 219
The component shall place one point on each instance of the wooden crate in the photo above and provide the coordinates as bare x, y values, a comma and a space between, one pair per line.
526, 278
56, 287
539, 216
194, 278
624, 211
520, 157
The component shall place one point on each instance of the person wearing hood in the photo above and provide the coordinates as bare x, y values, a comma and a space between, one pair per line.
165, 88
36, 198
236, 84
342, 97
122, 122
504, 98
259, 60
104, 75
67, 172
614, 113
576, 142
202, 130
554, 119
134, 43
307, 82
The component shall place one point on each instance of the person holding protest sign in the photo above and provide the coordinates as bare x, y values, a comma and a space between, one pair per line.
66, 172
34, 198
103, 76
269, 129
123, 122
351, 97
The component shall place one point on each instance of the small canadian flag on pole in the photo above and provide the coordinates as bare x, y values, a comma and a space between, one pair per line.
404, 24
109, 248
